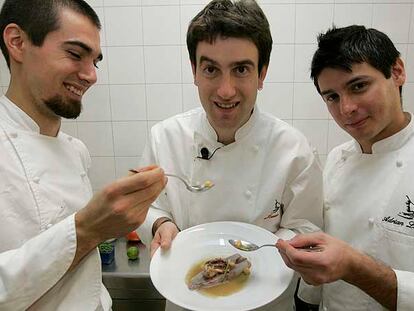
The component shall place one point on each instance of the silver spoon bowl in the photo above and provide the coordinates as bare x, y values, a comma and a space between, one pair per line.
249, 246
207, 185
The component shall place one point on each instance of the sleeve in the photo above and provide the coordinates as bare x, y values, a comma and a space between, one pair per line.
160, 206
304, 212
28, 272
405, 290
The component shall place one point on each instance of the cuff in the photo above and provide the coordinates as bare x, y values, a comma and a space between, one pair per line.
405, 290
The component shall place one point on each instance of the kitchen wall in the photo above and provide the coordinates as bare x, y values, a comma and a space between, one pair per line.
145, 76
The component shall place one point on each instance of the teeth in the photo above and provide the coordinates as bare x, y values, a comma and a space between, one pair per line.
74, 90
226, 106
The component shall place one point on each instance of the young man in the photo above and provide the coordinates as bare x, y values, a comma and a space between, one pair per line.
48, 255
264, 171
367, 181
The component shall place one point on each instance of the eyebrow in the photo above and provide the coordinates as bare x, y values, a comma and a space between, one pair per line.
238, 63
353, 80
83, 46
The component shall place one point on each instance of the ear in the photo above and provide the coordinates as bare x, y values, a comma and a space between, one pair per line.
262, 77
14, 39
398, 72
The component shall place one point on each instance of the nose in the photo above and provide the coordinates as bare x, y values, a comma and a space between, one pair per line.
348, 106
226, 89
88, 74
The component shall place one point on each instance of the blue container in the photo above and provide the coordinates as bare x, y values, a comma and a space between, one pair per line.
107, 252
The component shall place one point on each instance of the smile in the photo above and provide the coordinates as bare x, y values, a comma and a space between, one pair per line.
74, 90
357, 123
226, 105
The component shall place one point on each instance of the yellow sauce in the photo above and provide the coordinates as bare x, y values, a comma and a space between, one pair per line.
224, 289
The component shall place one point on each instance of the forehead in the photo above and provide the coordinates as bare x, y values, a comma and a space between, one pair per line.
225, 51
74, 26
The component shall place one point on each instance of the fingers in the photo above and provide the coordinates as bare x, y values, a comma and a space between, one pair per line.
143, 180
296, 258
155, 244
306, 240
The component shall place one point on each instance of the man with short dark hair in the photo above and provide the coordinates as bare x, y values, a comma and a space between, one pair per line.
264, 170
366, 262
50, 226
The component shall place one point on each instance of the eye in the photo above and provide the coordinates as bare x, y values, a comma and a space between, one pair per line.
242, 70
74, 54
331, 98
210, 70
359, 86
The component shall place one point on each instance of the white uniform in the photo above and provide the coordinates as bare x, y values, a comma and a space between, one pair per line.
268, 177
43, 183
369, 203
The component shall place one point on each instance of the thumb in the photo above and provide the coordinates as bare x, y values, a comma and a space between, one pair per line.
306, 240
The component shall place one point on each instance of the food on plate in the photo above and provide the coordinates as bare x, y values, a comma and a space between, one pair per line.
219, 271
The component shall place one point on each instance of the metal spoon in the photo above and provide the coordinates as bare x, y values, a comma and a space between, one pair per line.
249, 246
207, 185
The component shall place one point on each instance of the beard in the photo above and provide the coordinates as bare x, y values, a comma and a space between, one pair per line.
68, 109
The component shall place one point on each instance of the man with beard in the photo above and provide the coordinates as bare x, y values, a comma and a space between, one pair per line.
50, 224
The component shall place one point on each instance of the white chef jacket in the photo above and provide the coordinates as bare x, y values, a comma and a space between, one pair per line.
43, 183
367, 198
268, 177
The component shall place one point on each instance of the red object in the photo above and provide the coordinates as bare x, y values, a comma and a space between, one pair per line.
132, 236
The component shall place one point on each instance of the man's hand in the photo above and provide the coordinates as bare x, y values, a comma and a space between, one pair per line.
331, 263
339, 261
163, 236
118, 209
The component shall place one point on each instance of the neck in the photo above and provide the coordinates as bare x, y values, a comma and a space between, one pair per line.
49, 124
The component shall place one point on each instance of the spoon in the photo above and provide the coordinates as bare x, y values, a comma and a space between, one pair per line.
249, 246
207, 185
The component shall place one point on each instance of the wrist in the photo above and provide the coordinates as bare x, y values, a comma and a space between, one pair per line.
160, 221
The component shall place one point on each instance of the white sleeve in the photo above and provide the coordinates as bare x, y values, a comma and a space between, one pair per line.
405, 290
304, 194
160, 207
28, 272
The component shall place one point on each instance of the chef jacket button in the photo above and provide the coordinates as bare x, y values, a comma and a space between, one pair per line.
13, 135
371, 221
248, 193
49, 226
326, 207
343, 158
36, 180
399, 163
325, 308
83, 174
256, 148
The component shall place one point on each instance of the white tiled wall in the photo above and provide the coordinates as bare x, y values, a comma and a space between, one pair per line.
146, 76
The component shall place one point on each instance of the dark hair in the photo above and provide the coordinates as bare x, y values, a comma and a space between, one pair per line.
343, 47
38, 18
226, 18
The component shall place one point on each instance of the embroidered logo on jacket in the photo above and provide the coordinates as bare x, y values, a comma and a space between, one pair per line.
407, 214
275, 211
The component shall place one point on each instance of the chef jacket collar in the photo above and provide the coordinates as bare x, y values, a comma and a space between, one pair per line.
206, 131
17, 118
391, 143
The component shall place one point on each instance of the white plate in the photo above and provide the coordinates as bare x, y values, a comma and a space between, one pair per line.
269, 275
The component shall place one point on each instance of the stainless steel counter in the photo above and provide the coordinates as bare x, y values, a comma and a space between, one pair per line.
129, 283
